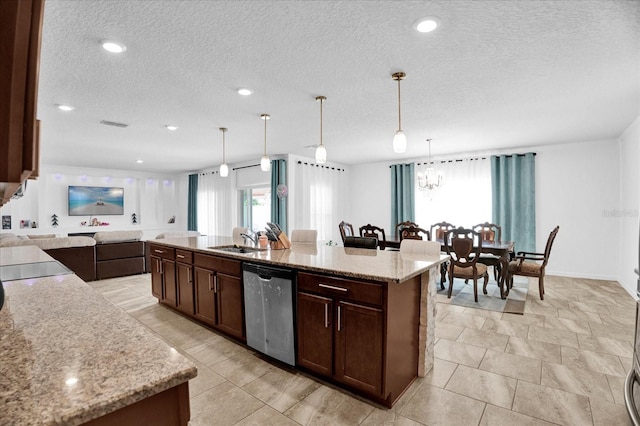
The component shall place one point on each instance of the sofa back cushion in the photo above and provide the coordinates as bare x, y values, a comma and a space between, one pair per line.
117, 236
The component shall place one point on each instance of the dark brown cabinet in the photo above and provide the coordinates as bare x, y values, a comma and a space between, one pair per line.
359, 334
20, 35
184, 282
163, 274
219, 294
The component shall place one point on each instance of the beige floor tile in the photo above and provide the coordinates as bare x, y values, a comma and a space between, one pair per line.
628, 311
616, 385
529, 319
628, 320
534, 349
205, 380
505, 327
483, 385
515, 366
586, 306
265, 416
607, 414
483, 313
552, 405
447, 331
606, 345
459, 353
224, 404
547, 311
464, 320
576, 380
381, 417
215, 350
579, 315
579, 327
434, 406
281, 389
483, 339
621, 332
558, 337
496, 416
440, 373
243, 368
327, 406
593, 361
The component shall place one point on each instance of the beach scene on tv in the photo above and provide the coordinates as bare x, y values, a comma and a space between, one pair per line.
95, 200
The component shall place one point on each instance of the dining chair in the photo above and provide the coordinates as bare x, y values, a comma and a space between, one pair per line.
438, 230
308, 236
346, 230
402, 225
373, 231
361, 242
525, 264
427, 248
464, 247
490, 232
414, 233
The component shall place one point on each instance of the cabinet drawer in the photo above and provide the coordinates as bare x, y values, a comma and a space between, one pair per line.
358, 291
184, 256
218, 264
162, 251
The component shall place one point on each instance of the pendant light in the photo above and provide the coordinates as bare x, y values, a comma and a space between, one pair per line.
399, 140
321, 151
224, 169
265, 163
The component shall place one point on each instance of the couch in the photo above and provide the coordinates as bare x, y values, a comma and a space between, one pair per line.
119, 253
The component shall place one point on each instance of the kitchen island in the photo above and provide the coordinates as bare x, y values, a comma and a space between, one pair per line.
364, 318
71, 357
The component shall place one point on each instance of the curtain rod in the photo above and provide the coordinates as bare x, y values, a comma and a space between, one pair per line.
245, 167
459, 160
324, 167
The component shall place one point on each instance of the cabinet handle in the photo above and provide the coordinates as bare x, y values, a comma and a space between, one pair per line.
339, 321
326, 315
331, 287
158, 251
215, 283
180, 256
210, 283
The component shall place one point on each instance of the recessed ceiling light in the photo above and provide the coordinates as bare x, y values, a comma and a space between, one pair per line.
113, 47
66, 107
244, 91
426, 25
139, 161
171, 127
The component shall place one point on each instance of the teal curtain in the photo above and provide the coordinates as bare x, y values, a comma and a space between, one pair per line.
514, 198
279, 198
192, 204
403, 201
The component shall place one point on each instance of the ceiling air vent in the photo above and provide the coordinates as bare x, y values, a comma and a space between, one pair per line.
113, 123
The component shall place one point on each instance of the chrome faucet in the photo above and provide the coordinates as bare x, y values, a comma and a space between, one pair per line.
253, 238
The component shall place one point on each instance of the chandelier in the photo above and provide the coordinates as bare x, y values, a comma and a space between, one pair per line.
430, 179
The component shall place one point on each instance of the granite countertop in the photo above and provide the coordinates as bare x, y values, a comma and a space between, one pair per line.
23, 254
378, 265
69, 355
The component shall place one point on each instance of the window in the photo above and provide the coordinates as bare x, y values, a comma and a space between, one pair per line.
255, 208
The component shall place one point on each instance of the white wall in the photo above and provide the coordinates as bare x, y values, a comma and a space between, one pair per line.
629, 205
153, 197
576, 188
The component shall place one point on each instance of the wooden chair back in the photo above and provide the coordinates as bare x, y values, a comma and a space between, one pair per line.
464, 247
372, 231
346, 230
414, 233
547, 249
489, 231
439, 229
404, 224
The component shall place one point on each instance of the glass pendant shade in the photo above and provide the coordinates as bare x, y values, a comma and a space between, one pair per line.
224, 170
321, 154
265, 163
399, 142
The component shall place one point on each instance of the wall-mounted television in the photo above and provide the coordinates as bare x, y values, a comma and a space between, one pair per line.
95, 200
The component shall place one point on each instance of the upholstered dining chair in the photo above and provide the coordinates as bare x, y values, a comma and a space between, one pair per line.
490, 232
464, 247
373, 231
427, 248
346, 230
526, 264
308, 236
403, 225
414, 233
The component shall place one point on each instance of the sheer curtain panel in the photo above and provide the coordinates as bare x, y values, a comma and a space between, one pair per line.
217, 203
320, 199
464, 199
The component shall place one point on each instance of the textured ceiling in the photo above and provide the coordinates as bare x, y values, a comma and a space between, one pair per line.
495, 75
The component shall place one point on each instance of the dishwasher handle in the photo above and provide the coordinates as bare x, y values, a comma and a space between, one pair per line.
265, 273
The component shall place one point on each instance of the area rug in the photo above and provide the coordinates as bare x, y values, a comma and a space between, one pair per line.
462, 295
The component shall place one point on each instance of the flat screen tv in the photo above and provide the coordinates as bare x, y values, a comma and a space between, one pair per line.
95, 200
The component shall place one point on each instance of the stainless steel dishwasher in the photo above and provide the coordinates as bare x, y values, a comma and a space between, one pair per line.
269, 297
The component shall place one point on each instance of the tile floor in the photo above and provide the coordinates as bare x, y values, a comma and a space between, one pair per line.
562, 362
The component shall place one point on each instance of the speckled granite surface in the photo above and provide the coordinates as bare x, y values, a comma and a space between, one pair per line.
69, 356
22, 254
378, 265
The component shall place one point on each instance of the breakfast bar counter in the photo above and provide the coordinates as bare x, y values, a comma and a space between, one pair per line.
69, 356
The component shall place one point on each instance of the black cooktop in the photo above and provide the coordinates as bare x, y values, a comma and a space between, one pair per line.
32, 270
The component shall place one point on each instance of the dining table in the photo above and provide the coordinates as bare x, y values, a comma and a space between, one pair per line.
502, 249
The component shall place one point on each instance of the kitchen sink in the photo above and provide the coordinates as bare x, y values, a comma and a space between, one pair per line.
237, 249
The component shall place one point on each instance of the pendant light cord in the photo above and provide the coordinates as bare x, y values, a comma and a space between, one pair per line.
321, 101
399, 115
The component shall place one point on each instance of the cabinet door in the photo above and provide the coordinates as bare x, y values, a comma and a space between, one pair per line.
229, 301
315, 333
156, 277
359, 347
169, 282
205, 302
185, 287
